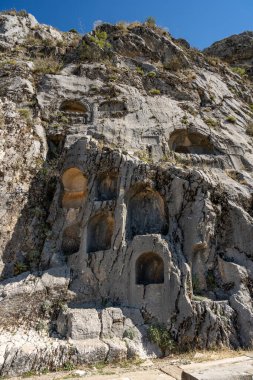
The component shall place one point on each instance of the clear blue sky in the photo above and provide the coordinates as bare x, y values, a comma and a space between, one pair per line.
201, 22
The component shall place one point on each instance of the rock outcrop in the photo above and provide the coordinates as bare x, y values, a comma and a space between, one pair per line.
126, 196
237, 50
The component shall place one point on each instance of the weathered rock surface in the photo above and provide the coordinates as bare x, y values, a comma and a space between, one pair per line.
236, 50
126, 196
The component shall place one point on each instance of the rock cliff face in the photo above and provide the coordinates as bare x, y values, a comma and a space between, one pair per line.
237, 50
126, 195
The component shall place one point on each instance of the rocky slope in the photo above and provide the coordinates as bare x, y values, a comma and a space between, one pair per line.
237, 50
126, 196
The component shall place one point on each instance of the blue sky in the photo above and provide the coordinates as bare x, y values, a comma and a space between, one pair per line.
201, 22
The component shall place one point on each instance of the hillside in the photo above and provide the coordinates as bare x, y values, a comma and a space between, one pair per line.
126, 195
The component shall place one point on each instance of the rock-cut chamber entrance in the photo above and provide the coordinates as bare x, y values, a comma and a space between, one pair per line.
75, 188
149, 269
107, 186
99, 232
145, 213
184, 141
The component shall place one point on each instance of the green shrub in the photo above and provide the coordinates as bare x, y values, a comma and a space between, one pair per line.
68, 366
239, 70
100, 39
184, 120
151, 74
231, 119
154, 91
159, 335
139, 70
211, 122
129, 333
19, 268
73, 31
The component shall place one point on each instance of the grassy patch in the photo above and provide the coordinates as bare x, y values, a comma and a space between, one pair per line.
139, 70
174, 64
154, 91
151, 74
211, 122
143, 156
239, 70
26, 115
47, 65
231, 119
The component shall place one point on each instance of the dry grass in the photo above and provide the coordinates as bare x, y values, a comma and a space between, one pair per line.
203, 356
47, 65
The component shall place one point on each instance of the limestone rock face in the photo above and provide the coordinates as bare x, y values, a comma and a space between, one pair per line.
125, 196
236, 49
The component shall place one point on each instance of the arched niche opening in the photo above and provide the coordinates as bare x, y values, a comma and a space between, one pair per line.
75, 188
184, 141
145, 213
99, 232
76, 111
107, 186
149, 269
71, 239
73, 106
113, 108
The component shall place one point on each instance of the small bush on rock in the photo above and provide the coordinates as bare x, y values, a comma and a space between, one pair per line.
139, 70
73, 31
129, 333
211, 122
19, 268
100, 39
231, 119
174, 64
159, 335
150, 22
151, 74
154, 91
239, 70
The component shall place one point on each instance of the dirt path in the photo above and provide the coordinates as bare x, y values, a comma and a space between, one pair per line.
147, 370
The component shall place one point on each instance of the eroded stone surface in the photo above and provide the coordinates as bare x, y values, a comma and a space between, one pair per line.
126, 197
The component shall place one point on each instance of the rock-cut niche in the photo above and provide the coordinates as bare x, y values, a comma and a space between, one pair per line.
71, 239
183, 141
75, 188
113, 108
145, 213
149, 269
107, 186
75, 109
99, 232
